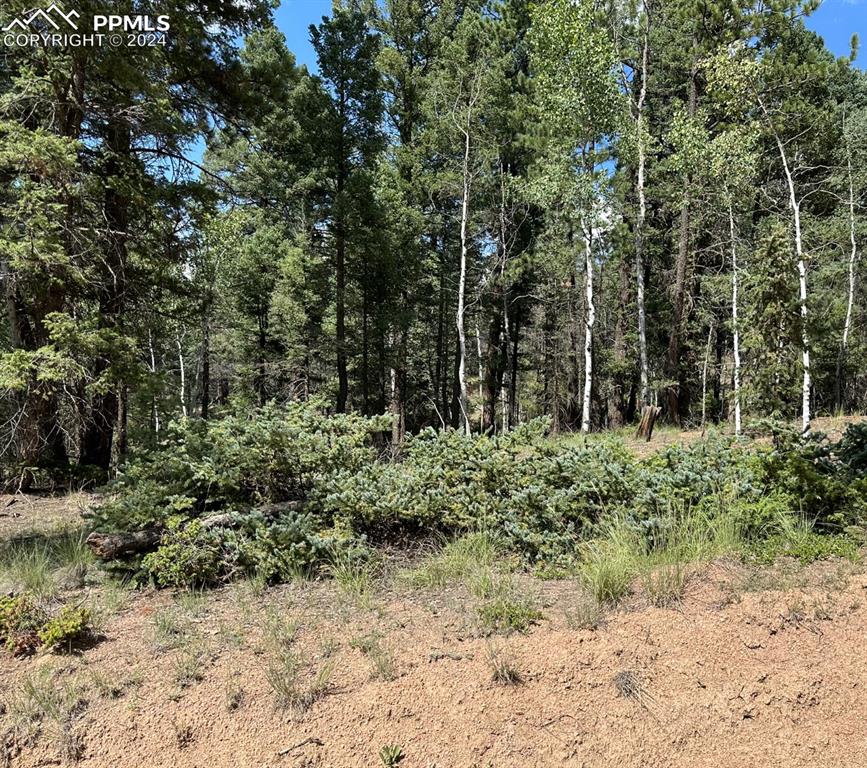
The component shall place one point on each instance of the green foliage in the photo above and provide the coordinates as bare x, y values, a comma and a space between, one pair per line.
186, 556
506, 611
546, 503
269, 455
391, 755
453, 483
70, 624
283, 548
25, 625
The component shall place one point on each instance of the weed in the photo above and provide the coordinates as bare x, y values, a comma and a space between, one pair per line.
457, 561
171, 630
193, 602
586, 612
286, 675
507, 614
502, 665
45, 563
105, 686
664, 581
280, 630
112, 598
610, 563
41, 700
234, 695
379, 654
328, 647
502, 607
354, 576
188, 665
183, 734
628, 685
391, 755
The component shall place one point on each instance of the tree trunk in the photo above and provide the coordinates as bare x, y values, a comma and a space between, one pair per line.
206, 365
590, 320
649, 415
840, 379
340, 308
514, 406
618, 404
182, 367
96, 444
795, 205
155, 413
462, 283
644, 376
681, 270
736, 347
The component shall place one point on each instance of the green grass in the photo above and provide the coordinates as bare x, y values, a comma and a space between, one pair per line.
355, 577
503, 668
458, 561
296, 685
611, 562
585, 613
380, 656
46, 563
42, 701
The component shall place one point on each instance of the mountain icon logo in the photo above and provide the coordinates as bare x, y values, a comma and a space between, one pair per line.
49, 16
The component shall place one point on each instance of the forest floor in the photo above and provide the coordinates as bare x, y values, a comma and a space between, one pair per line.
752, 665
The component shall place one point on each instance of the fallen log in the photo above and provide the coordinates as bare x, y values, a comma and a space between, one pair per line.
113, 546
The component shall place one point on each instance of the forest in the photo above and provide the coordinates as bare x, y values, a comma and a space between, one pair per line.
328, 391
475, 213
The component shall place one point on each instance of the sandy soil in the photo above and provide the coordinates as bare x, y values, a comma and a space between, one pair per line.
751, 669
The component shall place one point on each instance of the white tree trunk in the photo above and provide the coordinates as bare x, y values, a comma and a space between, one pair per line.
155, 412
462, 284
588, 332
481, 377
735, 329
795, 205
639, 224
183, 371
704, 378
853, 256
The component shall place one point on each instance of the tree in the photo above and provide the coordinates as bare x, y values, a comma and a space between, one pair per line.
346, 50
574, 63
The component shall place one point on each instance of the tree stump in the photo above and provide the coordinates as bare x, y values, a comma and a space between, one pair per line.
649, 415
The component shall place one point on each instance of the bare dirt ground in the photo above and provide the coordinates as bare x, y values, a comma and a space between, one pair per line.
24, 514
752, 668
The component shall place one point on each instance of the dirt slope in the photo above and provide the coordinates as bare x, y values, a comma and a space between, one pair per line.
750, 670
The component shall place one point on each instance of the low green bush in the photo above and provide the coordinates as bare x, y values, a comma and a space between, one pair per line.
240, 461
277, 549
70, 624
186, 557
543, 499
25, 625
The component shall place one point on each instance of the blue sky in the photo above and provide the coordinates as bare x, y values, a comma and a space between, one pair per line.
835, 21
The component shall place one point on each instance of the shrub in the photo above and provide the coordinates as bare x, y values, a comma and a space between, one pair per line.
70, 624
538, 496
20, 621
268, 455
186, 557
25, 625
270, 549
